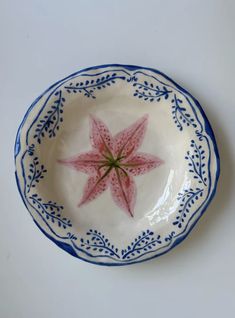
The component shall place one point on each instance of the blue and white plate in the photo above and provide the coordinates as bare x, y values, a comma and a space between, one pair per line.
116, 163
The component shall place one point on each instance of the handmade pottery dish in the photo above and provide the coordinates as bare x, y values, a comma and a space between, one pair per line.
116, 163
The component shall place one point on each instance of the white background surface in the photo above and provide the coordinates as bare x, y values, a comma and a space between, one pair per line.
193, 42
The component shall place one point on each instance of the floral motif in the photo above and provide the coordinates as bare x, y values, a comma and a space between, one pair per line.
113, 162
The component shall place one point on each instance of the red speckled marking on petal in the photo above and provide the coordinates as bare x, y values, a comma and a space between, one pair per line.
100, 136
96, 185
141, 163
129, 140
87, 162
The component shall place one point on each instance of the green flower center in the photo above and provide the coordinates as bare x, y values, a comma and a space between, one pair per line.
114, 162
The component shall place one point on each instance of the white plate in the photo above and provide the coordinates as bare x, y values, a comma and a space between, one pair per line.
116, 163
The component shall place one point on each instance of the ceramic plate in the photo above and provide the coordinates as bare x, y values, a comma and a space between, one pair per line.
116, 163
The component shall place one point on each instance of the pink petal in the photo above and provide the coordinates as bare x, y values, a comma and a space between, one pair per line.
141, 163
87, 162
129, 140
123, 190
100, 136
96, 184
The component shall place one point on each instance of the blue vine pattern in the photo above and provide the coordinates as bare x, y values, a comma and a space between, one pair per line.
196, 162
150, 92
51, 121
96, 241
180, 114
51, 210
90, 86
36, 173
188, 197
143, 243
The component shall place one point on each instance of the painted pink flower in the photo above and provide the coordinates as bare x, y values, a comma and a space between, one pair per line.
113, 162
